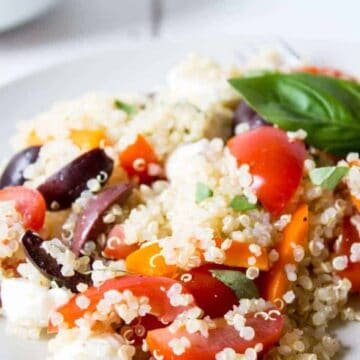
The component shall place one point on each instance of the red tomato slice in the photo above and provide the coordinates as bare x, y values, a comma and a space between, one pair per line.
327, 71
275, 163
29, 203
142, 152
267, 332
154, 287
350, 236
214, 297
115, 247
140, 327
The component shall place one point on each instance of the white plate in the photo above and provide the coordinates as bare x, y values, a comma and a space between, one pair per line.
14, 13
139, 67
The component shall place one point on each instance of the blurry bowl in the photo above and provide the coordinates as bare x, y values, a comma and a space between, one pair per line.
17, 12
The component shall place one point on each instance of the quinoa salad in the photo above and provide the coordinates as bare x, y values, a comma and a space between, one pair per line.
215, 218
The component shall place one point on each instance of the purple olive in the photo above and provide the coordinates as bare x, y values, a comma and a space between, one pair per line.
244, 114
62, 188
89, 223
14, 171
48, 265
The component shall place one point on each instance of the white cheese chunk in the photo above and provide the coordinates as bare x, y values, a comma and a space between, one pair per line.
27, 304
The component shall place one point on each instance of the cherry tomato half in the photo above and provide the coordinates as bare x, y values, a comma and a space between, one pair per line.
138, 159
327, 71
29, 203
140, 327
153, 287
350, 236
214, 297
115, 247
275, 163
267, 332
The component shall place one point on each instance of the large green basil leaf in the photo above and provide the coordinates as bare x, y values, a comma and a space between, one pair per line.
327, 108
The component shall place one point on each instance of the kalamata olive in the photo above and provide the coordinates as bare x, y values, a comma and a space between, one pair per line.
62, 188
13, 174
48, 265
90, 222
244, 114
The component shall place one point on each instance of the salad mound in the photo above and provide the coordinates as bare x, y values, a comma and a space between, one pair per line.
217, 218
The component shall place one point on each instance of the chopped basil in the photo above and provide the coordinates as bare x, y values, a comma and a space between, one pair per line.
327, 108
241, 203
328, 177
202, 192
243, 287
128, 108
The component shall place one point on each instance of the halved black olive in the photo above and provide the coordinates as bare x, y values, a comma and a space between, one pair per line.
13, 174
89, 223
62, 188
244, 114
47, 265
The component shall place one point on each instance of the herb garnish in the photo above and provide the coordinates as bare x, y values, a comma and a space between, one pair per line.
241, 203
128, 108
327, 108
202, 192
243, 287
328, 177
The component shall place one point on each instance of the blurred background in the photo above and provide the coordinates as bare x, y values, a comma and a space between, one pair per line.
37, 33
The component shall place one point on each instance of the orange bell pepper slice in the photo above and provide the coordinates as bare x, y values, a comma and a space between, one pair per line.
148, 261
356, 202
239, 253
275, 283
144, 153
87, 139
33, 139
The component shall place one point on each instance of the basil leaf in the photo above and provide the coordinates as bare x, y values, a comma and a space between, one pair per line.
327, 108
129, 109
243, 287
241, 203
202, 192
328, 177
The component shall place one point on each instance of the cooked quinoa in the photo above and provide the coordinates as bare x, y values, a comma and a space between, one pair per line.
109, 264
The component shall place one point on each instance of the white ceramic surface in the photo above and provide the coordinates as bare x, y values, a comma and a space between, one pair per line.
18, 12
140, 67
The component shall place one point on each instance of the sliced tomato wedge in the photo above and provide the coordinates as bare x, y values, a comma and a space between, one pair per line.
115, 247
213, 296
140, 327
267, 332
29, 203
153, 287
352, 271
138, 159
324, 70
275, 163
